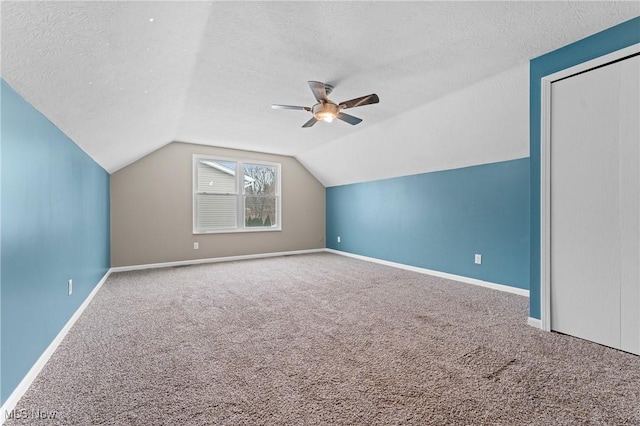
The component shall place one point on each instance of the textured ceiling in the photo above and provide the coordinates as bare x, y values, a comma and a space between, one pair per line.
125, 78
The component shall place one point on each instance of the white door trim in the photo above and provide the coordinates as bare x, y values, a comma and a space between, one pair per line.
545, 170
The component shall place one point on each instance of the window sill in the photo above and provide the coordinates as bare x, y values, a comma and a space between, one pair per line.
237, 231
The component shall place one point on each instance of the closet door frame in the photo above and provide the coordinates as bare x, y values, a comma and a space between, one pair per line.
545, 169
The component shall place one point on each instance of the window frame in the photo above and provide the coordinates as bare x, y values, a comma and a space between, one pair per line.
240, 195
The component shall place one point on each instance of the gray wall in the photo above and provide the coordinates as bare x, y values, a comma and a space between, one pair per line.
151, 210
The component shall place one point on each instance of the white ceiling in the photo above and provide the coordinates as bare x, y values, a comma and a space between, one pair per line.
123, 79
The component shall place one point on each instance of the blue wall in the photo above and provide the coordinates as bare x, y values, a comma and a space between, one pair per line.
55, 227
602, 43
440, 220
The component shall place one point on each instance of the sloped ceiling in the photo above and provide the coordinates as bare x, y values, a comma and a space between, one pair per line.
123, 79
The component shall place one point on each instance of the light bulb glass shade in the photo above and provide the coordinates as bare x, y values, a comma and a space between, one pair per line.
326, 116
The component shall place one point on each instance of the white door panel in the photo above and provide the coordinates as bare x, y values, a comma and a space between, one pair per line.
629, 138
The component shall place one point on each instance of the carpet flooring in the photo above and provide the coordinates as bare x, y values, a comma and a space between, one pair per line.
322, 339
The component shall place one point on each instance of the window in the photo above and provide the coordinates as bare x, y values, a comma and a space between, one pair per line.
235, 195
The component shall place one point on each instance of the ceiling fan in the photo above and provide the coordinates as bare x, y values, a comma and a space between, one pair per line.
327, 110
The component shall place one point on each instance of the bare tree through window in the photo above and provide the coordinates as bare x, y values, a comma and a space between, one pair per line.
260, 195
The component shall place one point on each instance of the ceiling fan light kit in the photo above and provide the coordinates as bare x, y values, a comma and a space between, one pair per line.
326, 110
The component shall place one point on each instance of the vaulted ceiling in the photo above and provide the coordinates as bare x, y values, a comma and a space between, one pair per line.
122, 79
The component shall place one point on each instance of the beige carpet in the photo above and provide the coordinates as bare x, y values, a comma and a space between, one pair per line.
322, 339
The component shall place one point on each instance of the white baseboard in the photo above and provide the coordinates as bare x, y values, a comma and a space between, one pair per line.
25, 383
474, 281
535, 322
213, 260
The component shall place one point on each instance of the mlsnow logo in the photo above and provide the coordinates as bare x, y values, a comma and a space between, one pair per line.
34, 414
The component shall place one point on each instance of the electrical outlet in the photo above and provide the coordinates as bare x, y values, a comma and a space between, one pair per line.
478, 259
70, 287
338, 238
196, 246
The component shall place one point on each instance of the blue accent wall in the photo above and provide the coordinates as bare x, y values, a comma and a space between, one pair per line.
602, 43
54, 227
440, 220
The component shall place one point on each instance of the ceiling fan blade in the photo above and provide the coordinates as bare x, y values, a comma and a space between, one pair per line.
364, 100
349, 118
310, 122
318, 90
290, 107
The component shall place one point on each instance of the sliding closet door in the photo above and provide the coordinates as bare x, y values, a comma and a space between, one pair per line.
629, 138
595, 216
